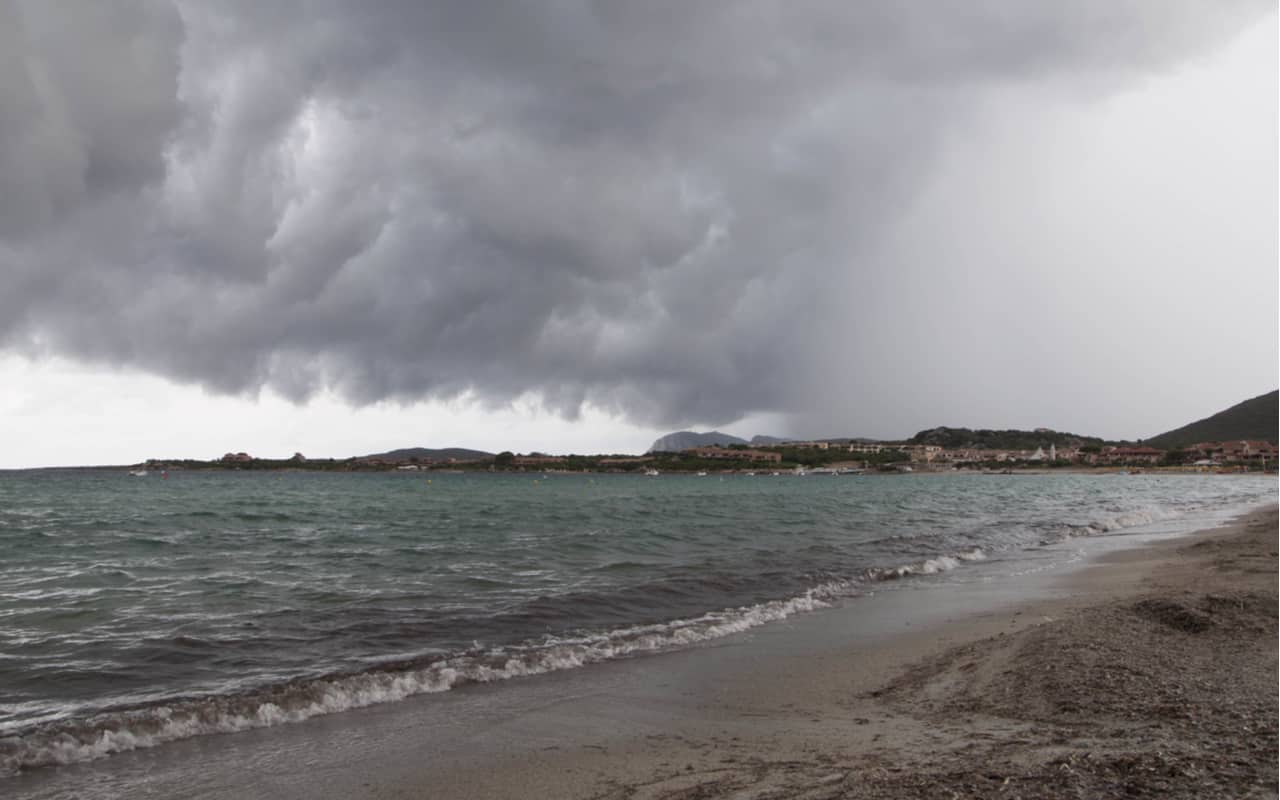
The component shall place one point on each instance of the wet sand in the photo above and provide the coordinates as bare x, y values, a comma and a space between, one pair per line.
1151, 672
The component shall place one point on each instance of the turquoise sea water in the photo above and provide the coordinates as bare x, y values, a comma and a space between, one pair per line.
136, 610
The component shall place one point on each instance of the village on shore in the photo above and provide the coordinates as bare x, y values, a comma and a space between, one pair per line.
805, 457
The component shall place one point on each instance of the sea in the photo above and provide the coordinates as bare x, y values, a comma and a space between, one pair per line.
139, 610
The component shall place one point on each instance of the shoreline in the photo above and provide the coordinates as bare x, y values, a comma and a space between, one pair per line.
999, 699
1149, 671
916, 469
846, 702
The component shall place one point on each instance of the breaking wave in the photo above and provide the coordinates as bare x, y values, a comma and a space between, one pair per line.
1111, 523
129, 728
929, 566
66, 742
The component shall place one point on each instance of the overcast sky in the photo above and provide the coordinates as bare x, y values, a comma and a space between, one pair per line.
573, 226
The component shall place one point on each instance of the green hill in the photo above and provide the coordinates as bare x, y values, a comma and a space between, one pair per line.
1001, 440
430, 454
1258, 418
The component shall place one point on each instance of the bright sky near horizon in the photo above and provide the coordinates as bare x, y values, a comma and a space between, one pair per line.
575, 228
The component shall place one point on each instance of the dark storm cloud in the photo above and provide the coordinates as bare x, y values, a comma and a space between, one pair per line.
637, 205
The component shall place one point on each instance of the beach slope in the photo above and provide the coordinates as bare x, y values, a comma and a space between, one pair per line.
1150, 672
1155, 676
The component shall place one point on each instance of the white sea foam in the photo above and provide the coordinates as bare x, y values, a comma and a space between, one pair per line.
1111, 523
929, 566
1133, 519
65, 743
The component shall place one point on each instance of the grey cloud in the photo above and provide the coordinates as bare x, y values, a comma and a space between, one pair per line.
89, 102
639, 205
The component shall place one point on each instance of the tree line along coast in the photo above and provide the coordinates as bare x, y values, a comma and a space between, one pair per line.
1238, 439
802, 457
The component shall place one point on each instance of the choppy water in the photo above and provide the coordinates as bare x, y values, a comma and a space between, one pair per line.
138, 610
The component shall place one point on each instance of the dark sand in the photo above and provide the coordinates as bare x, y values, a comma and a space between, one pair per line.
1152, 672
1155, 677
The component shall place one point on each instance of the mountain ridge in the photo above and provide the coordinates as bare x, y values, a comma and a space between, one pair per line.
683, 440
1255, 418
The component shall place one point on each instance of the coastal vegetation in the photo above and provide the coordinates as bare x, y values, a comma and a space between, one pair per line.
1245, 435
1005, 440
1256, 418
889, 459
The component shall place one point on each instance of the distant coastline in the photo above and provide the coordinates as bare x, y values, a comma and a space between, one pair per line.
809, 458
1240, 438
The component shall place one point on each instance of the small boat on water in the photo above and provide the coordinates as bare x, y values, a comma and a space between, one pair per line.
702, 473
138, 473
652, 473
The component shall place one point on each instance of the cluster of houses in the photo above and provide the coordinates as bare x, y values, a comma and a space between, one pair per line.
1203, 454
767, 456
932, 453
1244, 451
537, 460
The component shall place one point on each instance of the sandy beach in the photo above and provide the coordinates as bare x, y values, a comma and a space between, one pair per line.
1149, 672
1152, 673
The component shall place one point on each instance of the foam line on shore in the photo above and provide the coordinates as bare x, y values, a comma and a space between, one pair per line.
71, 741
68, 742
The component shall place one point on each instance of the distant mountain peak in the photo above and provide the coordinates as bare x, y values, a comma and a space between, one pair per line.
683, 440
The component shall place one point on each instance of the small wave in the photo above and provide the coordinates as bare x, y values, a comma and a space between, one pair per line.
70, 741
930, 566
1116, 522
261, 516
1132, 519
66, 742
